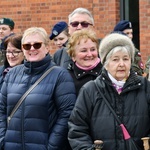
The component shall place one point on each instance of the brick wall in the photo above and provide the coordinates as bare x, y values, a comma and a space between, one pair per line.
144, 28
46, 13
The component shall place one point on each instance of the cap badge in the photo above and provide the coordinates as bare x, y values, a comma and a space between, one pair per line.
55, 32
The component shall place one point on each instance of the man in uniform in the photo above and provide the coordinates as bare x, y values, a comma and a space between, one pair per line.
126, 27
6, 30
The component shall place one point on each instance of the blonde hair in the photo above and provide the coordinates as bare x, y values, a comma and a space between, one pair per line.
77, 37
36, 30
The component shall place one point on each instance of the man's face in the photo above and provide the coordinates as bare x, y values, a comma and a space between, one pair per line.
78, 22
5, 31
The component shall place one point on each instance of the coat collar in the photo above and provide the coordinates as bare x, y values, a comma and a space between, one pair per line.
79, 73
37, 67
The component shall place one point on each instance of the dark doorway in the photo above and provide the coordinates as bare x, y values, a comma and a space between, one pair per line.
130, 11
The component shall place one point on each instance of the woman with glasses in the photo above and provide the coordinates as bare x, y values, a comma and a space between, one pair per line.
40, 122
13, 55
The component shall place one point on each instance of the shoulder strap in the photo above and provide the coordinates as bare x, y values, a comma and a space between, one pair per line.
124, 129
28, 91
107, 103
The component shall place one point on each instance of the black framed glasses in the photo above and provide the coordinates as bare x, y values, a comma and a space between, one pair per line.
83, 24
28, 46
14, 53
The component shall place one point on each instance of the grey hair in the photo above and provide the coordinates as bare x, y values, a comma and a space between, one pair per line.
81, 11
117, 49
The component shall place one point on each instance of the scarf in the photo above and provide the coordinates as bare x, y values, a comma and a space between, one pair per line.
117, 84
89, 68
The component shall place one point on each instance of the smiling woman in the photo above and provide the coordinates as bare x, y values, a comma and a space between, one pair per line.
13, 55
83, 49
40, 122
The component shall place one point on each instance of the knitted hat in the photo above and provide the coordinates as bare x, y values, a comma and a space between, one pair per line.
123, 25
57, 29
113, 40
7, 21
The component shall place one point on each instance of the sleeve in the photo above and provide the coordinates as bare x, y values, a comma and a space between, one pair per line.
3, 115
57, 56
79, 122
65, 98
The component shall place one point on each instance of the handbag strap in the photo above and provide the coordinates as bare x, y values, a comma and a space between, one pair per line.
107, 103
28, 91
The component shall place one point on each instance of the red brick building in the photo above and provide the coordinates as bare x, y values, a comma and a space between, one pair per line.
107, 13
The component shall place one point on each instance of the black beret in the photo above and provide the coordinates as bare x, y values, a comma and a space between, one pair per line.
123, 25
7, 21
57, 29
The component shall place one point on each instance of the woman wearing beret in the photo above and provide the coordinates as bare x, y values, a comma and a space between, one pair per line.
83, 49
127, 93
41, 121
60, 34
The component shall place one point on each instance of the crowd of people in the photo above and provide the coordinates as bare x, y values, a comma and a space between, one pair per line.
58, 102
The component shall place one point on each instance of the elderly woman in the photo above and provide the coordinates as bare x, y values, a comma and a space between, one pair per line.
83, 49
127, 93
13, 55
40, 122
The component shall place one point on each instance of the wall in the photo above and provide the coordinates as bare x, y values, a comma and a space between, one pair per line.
46, 13
144, 28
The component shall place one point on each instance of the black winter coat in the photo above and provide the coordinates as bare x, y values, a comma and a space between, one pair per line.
81, 77
92, 120
40, 123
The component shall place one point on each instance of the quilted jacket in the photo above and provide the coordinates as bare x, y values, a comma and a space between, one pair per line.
40, 123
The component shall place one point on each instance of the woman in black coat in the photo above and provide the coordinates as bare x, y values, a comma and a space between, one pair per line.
126, 92
83, 49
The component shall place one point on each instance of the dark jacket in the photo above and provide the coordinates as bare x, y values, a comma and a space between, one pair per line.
61, 58
92, 120
81, 77
40, 123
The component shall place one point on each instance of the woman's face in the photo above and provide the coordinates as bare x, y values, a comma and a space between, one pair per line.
85, 53
60, 40
14, 56
34, 54
119, 65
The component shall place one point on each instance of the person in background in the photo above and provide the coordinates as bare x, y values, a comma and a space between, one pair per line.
13, 55
40, 123
6, 29
79, 19
147, 68
83, 49
126, 92
60, 34
126, 27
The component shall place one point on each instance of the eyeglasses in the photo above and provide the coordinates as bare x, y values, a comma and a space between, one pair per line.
83, 24
28, 46
14, 53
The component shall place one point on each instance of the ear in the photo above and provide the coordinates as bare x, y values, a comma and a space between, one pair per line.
73, 59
